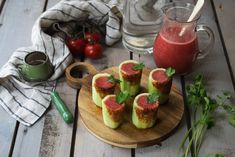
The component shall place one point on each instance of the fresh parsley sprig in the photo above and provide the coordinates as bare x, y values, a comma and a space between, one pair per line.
122, 97
112, 79
152, 97
170, 72
138, 66
205, 106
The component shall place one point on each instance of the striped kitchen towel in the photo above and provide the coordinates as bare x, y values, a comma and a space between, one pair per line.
27, 102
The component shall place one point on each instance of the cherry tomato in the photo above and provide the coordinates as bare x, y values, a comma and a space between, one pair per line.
96, 37
76, 46
93, 51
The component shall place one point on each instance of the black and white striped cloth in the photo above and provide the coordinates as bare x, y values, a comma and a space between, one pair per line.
27, 102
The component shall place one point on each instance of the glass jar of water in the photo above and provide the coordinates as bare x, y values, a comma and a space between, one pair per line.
141, 22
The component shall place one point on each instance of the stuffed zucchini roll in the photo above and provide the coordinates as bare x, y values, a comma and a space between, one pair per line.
160, 81
102, 86
112, 111
144, 112
130, 72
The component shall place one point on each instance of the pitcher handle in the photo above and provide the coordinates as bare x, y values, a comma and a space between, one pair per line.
211, 38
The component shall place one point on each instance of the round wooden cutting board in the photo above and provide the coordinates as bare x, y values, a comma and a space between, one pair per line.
127, 135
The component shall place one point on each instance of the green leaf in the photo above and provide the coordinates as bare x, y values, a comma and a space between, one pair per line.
138, 66
232, 108
192, 99
229, 108
227, 95
207, 120
198, 78
152, 97
113, 79
170, 72
122, 97
231, 119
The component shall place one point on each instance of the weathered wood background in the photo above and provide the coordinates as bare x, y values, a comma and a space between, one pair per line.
50, 136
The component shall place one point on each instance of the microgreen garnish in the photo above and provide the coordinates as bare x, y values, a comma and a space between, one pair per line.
138, 66
112, 79
122, 97
203, 115
152, 97
170, 72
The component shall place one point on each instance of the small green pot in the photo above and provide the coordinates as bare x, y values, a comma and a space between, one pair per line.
36, 67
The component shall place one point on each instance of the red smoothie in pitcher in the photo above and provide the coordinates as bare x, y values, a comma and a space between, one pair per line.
172, 50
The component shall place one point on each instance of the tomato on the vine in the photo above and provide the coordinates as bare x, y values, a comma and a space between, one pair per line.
76, 45
96, 37
93, 50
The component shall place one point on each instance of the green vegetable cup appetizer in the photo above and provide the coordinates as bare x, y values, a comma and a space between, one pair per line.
160, 81
130, 72
144, 113
102, 84
113, 109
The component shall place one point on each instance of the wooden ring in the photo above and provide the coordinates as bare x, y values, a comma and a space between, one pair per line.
76, 67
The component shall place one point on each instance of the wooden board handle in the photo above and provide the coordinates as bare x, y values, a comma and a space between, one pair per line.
75, 68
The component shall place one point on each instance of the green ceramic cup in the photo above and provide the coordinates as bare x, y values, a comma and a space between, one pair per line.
36, 67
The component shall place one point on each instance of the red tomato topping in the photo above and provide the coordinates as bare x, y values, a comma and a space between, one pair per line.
160, 76
143, 102
128, 69
103, 82
112, 104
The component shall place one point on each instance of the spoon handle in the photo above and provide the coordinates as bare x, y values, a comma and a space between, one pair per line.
196, 10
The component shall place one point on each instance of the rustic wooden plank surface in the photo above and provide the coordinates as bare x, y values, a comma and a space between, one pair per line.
57, 139
13, 36
16, 32
57, 135
18, 29
7, 128
221, 138
8, 124
85, 143
225, 12
52, 137
2, 2
168, 148
53, 134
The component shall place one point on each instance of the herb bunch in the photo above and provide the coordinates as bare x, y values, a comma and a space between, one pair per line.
203, 114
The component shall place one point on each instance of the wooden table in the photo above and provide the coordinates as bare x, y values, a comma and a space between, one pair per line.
50, 136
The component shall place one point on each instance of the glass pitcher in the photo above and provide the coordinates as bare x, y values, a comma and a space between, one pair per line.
176, 45
141, 23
